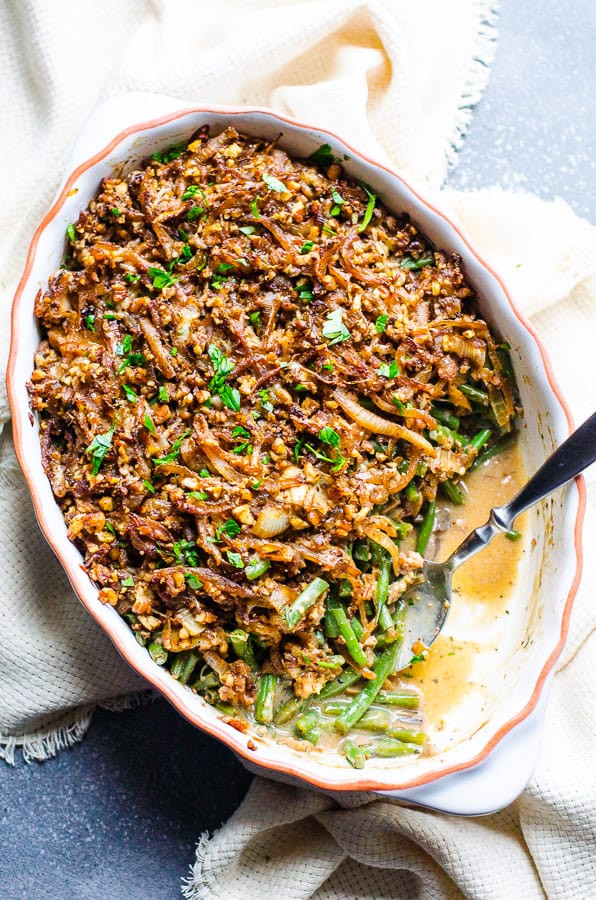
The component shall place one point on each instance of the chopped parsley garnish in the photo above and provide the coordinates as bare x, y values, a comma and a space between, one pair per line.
400, 406
298, 447
334, 329
235, 559
222, 367
265, 401
109, 317
115, 212
161, 278
198, 495
331, 437
256, 484
274, 184
381, 323
390, 370
419, 657
230, 527
168, 155
204, 473
173, 351
194, 212
408, 262
224, 267
255, 320
192, 581
245, 446
190, 191
247, 230
372, 199
328, 367
305, 294
71, 233
338, 201
328, 230
174, 452
322, 156
162, 395
182, 234
254, 208
128, 581
130, 393
148, 423
98, 448
90, 322
131, 278
306, 247
185, 553
148, 486
130, 359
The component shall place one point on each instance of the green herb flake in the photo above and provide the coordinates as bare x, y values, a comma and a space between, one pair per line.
194, 213
186, 553
148, 486
337, 197
168, 155
90, 322
115, 212
198, 495
174, 451
265, 401
254, 208
162, 395
174, 351
328, 230
329, 436
204, 473
306, 247
230, 527
190, 192
328, 367
408, 262
305, 294
390, 370
334, 329
247, 229
98, 448
381, 323
235, 559
322, 156
132, 279
274, 184
256, 484
370, 206
222, 367
109, 317
130, 393
128, 581
255, 320
71, 233
192, 581
148, 423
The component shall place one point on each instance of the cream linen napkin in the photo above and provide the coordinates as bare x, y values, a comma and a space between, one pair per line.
353, 66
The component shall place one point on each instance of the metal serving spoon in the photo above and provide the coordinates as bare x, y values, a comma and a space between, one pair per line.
428, 603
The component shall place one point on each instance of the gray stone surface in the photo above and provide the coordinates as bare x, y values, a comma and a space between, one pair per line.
118, 815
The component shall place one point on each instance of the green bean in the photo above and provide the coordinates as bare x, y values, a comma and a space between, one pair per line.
264, 703
480, 439
227, 709
361, 551
356, 754
347, 633
445, 417
406, 735
362, 701
387, 747
306, 726
373, 720
499, 447
474, 393
293, 613
242, 647
403, 529
428, 523
286, 711
454, 492
256, 568
442, 431
383, 561
339, 684
357, 627
157, 652
184, 665
385, 620
412, 493
331, 629
513, 535
399, 698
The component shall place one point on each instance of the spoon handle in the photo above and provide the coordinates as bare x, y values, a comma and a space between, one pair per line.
572, 457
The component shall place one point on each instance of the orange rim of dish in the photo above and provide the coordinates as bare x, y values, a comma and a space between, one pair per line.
220, 729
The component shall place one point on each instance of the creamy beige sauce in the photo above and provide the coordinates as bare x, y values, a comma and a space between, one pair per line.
455, 677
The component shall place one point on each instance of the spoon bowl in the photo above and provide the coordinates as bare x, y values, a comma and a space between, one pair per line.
426, 604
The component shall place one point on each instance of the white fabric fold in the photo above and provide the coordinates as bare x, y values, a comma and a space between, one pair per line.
402, 93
